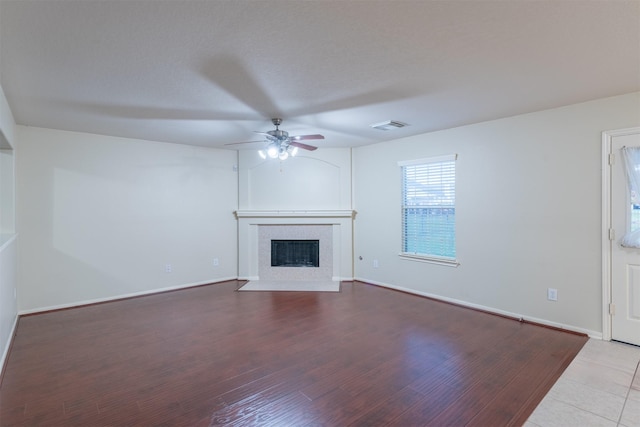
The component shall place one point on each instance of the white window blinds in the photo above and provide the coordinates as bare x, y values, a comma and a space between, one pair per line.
428, 207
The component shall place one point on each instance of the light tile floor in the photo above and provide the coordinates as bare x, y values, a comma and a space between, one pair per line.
601, 387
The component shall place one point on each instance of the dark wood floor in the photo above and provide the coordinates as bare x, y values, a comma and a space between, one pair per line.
367, 356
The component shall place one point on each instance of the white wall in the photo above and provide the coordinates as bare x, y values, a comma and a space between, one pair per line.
100, 217
7, 175
8, 305
528, 212
317, 180
8, 242
7, 123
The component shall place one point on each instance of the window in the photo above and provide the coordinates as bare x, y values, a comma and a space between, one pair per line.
429, 209
631, 157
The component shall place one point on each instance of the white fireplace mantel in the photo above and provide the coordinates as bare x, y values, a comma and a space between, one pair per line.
347, 213
341, 222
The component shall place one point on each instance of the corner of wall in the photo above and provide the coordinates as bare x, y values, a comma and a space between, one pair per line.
8, 260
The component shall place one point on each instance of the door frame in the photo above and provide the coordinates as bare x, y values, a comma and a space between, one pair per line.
607, 137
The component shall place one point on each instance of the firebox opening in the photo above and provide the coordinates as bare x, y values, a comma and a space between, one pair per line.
295, 253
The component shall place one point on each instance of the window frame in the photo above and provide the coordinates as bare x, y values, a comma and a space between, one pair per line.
423, 257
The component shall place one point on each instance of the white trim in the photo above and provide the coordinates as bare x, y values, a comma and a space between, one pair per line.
123, 296
606, 243
607, 136
436, 159
7, 345
590, 333
430, 259
347, 213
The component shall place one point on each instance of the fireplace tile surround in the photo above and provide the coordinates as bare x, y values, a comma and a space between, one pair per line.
333, 229
321, 232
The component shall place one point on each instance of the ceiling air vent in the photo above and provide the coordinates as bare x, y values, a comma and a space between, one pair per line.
388, 125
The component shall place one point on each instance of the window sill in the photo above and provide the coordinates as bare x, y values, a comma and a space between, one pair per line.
430, 260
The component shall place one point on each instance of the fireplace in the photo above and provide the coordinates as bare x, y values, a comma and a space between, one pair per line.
295, 253
332, 229
292, 238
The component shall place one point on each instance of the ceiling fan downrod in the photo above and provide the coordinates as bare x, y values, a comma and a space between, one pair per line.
280, 135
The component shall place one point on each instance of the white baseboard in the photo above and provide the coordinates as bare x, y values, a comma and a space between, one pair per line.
590, 333
545, 322
7, 345
122, 296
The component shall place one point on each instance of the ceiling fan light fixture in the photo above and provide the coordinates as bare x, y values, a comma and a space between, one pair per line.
388, 125
272, 151
280, 145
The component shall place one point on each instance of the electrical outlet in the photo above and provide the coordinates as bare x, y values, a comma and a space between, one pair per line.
167, 268
376, 264
552, 294
216, 262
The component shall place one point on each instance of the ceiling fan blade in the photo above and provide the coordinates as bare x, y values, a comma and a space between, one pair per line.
306, 137
268, 135
237, 79
246, 142
303, 146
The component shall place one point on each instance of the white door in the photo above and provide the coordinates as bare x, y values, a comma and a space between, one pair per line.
625, 262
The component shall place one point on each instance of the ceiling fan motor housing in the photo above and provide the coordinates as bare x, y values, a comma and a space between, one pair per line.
279, 134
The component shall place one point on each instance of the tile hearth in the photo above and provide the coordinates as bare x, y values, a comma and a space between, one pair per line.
292, 286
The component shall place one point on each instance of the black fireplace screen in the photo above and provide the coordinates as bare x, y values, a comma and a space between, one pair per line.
295, 253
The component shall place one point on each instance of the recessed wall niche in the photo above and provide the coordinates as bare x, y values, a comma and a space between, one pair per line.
7, 192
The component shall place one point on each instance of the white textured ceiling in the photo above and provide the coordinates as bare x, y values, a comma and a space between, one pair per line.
212, 72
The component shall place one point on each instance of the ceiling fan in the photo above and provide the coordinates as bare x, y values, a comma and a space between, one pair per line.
280, 144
